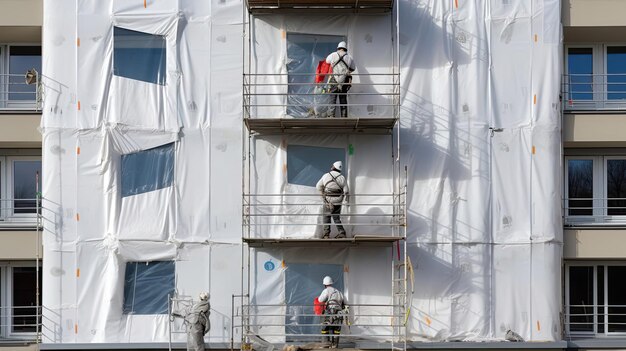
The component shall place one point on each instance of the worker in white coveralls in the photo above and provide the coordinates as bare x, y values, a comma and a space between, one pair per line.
334, 189
333, 312
198, 324
340, 81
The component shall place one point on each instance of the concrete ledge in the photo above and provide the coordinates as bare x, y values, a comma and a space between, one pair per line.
598, 343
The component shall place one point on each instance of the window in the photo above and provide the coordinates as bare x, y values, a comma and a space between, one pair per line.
18, 303
595, 189
147, 287
595, 298
302, 281
18, 187
595, 77
148, 170
26, 179
139, 56
304, 51
307, 164
580, 70
15, 60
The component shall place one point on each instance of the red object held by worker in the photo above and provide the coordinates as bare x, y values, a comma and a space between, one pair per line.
323, 68
318, 307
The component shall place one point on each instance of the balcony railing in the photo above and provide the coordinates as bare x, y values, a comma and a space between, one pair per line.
17, 95
591, 320
296, 95
594, 211
19, 214
20, 324
593, 92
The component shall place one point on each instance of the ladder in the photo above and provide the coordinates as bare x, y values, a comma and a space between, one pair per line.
399, 317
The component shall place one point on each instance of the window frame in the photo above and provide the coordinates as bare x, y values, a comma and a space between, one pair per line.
9, 183
5, 55
600, 200
7, 215
605, 189
595, 265
599, 72
6, 298
598, 180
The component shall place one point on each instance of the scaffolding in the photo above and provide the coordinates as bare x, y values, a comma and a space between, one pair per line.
274, 104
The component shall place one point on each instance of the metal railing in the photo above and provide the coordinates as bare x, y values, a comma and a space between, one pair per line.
19, 213
289, 213
299, 323
268, 95
16, 94
589, 92
585, 320
594, 211
20, 324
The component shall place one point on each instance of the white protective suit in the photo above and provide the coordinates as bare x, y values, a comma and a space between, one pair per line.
340, 70
198, 325
334, 186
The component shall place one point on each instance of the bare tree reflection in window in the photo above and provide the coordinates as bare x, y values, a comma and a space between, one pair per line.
580, 187
616, 187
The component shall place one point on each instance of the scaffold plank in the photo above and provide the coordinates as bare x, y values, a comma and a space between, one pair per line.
377, 125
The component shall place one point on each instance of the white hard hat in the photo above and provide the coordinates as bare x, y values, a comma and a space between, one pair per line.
203, 296
342, 45
328, 281
338, 165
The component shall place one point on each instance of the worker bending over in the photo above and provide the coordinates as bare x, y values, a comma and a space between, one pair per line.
340, 81
333, 312
334, 188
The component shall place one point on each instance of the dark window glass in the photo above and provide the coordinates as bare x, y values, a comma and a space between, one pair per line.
581, 298
24, 299
25, 185
616, 186
302, 284
580, 74
147, 286
21, 59
139, 56
148, 170
600, 298
616, 290
304, 51
307, 164
616, 72
580, 187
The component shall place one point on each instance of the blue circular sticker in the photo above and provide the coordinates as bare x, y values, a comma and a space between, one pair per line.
269, 266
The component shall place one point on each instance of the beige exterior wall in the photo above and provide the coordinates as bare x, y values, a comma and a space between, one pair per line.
594, 243
594, 130
593, 13
20, 130
19, 245
21, 13
21, 21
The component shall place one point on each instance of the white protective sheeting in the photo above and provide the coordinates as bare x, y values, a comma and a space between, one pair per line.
480, 134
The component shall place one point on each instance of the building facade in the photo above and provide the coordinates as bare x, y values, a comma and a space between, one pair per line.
20, 168
593, 156
593, 163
